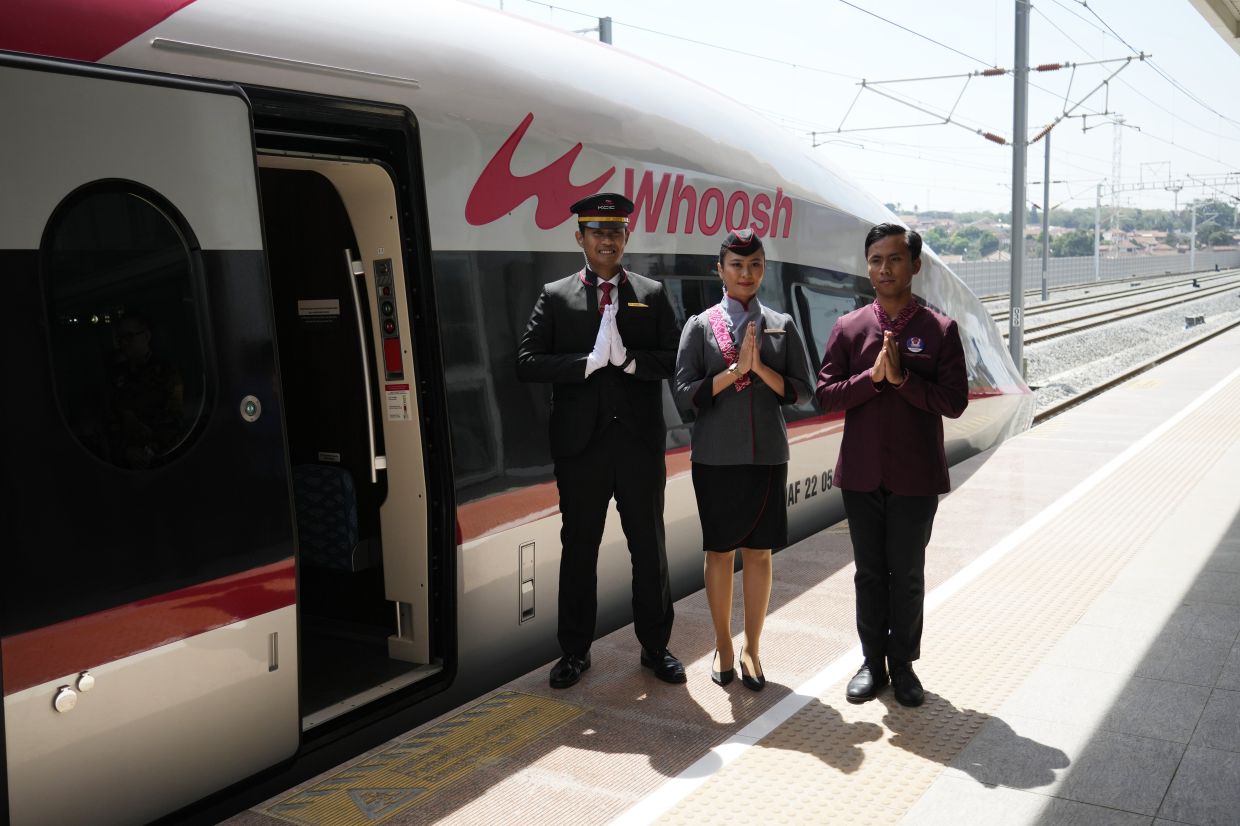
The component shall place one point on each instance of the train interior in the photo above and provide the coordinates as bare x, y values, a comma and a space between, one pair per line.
359, 638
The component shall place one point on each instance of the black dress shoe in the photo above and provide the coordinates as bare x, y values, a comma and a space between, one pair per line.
666, 667
569, 670
721, 677
866, 683
906, 686
751, 682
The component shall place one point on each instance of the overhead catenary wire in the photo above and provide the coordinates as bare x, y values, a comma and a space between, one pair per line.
1158, 69
1215, 188
1123, 82
915, 33
948, 118
704, 43
935, 110
991, 71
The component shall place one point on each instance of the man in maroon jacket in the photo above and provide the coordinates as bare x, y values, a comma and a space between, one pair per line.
896, 368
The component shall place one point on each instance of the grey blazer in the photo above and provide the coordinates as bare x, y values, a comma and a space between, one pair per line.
743, 427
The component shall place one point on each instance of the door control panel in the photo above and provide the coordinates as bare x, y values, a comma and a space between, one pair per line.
389, 324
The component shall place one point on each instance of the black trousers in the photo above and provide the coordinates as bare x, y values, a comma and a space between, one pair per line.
889, 536
615, 464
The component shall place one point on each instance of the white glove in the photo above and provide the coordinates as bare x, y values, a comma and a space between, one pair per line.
618, 352
601, 353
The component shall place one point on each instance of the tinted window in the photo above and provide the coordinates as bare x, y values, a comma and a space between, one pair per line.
818, 309
499, 424
123, 319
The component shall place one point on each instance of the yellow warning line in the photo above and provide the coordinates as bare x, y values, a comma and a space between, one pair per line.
410, 770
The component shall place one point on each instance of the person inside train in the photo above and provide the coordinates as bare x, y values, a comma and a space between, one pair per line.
738, 363
896, 368
146, 398
605, 338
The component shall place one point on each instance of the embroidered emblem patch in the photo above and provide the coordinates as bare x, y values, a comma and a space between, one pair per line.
914, 344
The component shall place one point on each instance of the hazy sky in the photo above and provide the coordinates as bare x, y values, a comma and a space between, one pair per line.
834, 44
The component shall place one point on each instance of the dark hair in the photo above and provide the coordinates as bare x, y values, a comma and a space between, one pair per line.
882, 231
742, 242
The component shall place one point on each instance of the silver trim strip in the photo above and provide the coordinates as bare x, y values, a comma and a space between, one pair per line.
219, 52
356, 268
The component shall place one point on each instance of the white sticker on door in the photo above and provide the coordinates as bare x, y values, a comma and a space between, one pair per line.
398, 406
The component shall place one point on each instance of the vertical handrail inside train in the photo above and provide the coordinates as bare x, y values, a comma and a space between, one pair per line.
355, 270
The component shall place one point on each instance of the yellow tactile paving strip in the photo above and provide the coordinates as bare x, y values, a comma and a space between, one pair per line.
387, 783
834, 762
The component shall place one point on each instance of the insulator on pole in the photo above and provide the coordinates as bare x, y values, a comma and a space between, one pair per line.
1049, 67
991, 136
1042, 134
995, 72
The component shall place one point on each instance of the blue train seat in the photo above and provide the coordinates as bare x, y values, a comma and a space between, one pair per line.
327, 518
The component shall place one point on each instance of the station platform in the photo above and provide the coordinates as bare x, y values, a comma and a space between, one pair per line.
1081, 662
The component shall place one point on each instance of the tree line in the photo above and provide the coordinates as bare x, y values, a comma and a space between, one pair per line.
1215, 226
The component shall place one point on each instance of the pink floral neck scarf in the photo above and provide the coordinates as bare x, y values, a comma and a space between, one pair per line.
895, 325
723, 336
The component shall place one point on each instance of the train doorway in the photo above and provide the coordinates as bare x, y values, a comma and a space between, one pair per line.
355, 446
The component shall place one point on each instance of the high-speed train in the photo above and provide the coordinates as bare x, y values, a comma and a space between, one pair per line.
269, 476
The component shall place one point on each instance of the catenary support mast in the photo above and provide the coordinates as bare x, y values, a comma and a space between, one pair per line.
1020, 131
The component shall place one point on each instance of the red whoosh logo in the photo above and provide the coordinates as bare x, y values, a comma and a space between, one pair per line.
498, 192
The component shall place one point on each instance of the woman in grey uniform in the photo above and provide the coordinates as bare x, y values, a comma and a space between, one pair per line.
737, 365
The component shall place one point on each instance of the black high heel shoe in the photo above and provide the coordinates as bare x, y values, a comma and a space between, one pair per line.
749, 681
721, 677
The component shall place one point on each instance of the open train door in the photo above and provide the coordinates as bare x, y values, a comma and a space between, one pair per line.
148, 585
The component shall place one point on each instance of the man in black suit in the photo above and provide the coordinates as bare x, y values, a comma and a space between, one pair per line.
606, 339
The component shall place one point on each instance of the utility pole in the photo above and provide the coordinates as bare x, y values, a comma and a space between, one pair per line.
1020, 131
1116, 153
604, 30
1046, 216
1098, 234
1192, 241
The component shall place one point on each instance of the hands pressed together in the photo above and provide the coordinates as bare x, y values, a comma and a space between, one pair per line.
887, 365
608, 346
750, 359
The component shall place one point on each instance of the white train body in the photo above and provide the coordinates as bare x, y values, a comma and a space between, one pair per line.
201, 168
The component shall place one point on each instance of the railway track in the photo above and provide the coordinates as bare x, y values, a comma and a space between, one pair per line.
1061, 406
1090, 321
1053, 306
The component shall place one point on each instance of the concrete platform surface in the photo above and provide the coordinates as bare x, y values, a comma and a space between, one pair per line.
1081, 659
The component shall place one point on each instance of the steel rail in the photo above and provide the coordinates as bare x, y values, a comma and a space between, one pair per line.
1072, 401
993, 299
1046, 332
1001, 315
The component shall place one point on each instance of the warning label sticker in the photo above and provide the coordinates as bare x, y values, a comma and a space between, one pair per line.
398, 406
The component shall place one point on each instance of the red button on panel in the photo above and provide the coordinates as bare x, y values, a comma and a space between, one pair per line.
391, 356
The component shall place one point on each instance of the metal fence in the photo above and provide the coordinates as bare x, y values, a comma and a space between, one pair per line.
987, 278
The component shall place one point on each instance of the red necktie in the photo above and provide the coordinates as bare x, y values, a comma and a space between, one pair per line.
605, 286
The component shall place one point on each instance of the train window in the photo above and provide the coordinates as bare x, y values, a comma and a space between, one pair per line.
123, 319
690, 296
819, 310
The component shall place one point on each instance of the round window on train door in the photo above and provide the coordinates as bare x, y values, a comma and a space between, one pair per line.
120, 276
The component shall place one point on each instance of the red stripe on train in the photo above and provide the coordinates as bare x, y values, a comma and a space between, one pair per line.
510, 509
75, 645
79, 29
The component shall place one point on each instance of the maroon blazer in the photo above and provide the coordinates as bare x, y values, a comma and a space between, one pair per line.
893, 436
